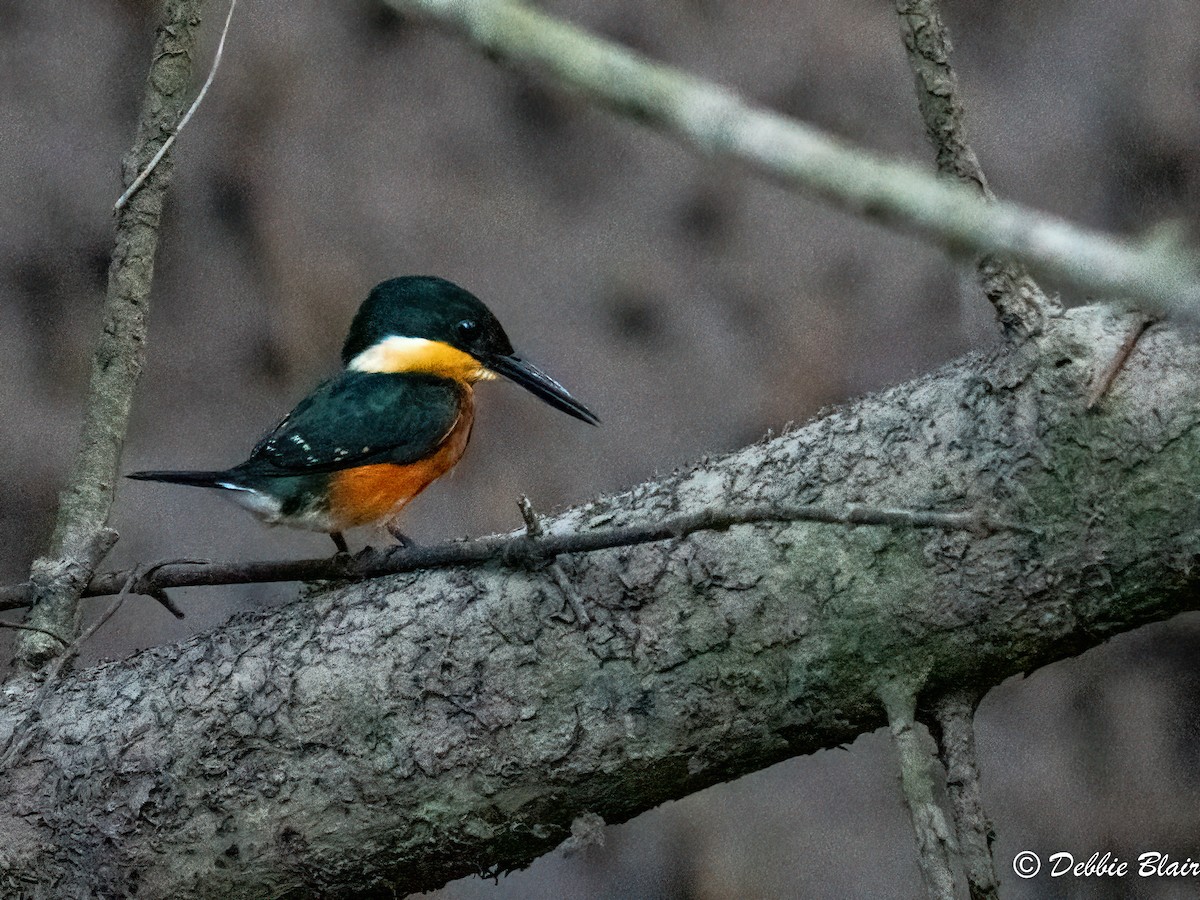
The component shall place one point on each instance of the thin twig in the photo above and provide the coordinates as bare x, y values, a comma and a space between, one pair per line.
187, 117
1106, 378
161, 598
1020, 305
715, 122
77, 644
18, 626
936, 846
955, 734
159, 595
512, 549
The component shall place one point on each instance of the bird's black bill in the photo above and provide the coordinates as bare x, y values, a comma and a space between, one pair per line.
537, 382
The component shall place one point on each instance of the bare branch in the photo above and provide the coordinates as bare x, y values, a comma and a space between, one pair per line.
936, 845
1020, 304
517, 549
928, 46
715, 122
18, 626
955, 733
120, 352
187, 117
66, 576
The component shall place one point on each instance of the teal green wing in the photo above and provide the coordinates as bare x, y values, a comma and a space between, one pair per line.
360, 418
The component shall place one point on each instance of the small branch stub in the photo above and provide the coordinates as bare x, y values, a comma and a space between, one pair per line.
533, 531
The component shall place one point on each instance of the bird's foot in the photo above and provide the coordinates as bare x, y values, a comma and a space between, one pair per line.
402, 539
339, 541
370, 556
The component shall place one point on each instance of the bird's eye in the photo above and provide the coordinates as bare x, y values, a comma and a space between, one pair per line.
468, 329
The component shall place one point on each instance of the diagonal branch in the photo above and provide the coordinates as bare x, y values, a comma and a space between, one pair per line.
1020, 304
715, 122
81, 537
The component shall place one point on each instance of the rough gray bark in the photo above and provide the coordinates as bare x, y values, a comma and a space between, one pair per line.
391, 735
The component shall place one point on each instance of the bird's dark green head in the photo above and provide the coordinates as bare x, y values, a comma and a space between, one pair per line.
426, 308
419, 323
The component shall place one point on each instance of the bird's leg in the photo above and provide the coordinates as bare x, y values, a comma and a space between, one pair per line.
402, 539
339, 541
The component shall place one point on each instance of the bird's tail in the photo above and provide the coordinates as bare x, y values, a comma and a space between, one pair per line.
193, 479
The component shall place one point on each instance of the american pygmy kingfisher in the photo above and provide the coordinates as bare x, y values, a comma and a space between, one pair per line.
397, 417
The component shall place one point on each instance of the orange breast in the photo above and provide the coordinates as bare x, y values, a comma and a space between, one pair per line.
373, 494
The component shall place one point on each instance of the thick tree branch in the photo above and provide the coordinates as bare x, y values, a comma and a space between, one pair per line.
390, 735
1162, 276
80, 529
1020, 304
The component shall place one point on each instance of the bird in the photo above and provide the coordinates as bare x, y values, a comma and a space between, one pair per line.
396, 417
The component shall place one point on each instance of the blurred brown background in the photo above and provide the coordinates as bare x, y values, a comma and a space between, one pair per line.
691, 305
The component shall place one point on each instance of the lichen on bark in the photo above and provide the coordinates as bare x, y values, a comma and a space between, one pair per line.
397, 733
